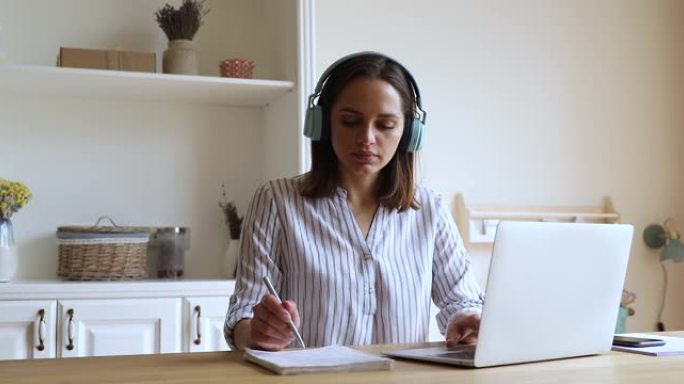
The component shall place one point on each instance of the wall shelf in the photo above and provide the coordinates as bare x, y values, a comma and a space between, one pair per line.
154, 148
89, 83
477, 223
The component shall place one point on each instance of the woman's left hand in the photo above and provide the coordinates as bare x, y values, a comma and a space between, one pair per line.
463, 329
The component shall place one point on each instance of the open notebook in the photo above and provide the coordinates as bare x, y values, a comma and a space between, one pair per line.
333, 358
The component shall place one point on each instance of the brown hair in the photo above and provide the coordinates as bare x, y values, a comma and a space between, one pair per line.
396, 186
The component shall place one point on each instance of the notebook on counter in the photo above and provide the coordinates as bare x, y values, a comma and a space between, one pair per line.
333, 358
673, 345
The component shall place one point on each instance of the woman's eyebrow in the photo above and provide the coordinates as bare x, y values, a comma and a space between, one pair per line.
356, 112
350, 110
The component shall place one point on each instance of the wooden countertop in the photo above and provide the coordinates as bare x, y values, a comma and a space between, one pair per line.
229, 367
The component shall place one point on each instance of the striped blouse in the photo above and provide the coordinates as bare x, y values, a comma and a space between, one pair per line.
350, 289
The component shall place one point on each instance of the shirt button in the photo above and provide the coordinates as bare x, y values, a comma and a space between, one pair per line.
367, 255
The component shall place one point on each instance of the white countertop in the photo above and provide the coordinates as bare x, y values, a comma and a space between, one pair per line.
58, 289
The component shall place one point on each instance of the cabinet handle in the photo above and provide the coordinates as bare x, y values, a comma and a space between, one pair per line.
70, 330
41, 330
198, 327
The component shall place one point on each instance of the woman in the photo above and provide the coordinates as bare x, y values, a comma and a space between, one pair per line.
354, 245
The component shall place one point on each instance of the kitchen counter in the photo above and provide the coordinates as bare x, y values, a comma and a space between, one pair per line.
230, 367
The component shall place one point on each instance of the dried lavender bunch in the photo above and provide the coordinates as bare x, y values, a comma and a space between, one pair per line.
181, 23
233, 220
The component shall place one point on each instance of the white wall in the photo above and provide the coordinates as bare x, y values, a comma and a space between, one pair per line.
150, 164
542, 103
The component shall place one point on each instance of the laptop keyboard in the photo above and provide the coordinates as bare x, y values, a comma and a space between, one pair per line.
464, 354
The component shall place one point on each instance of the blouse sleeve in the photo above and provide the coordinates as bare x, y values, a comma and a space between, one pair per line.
259, 250
454, 288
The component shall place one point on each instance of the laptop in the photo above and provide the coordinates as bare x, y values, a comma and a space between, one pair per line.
553, 291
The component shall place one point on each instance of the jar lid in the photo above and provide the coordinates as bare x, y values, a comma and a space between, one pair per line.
171, 230
103, 229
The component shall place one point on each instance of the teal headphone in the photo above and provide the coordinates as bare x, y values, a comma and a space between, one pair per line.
314, 125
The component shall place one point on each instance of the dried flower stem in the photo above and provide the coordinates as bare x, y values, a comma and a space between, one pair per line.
233, 220
181, 23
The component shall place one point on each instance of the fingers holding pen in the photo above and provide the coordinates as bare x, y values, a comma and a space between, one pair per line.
270, 329
291, 308
269, 313
273, 308
267, 337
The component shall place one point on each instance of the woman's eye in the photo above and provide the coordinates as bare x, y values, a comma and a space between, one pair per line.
354, 122
350, 123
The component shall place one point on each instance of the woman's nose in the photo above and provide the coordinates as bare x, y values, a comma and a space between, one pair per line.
366, 135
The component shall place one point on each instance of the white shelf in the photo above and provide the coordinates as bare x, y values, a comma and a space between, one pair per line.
477, 223
543, 215
95, 83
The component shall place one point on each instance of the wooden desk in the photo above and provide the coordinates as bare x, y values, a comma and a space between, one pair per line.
229, 367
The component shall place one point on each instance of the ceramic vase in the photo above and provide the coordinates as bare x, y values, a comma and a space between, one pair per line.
180, 58
621, 325
8, 251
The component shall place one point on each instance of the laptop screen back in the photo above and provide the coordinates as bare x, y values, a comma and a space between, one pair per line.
553, 291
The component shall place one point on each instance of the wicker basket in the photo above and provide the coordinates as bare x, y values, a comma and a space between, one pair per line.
102, 252
240, 68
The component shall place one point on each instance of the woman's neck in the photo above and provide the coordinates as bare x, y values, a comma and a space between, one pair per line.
362, 198
361, 190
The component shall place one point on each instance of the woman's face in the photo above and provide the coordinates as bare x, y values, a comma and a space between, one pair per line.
366, 124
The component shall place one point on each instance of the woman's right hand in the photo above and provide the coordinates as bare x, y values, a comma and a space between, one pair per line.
269, 326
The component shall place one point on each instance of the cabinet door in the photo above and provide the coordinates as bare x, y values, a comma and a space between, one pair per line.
118, 327
203, 328
27, 329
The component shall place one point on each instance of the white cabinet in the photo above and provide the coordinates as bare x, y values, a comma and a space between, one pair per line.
27, 329
73, 319
204, 318
118, 327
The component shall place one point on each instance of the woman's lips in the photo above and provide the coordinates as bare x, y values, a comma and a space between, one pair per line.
364, 157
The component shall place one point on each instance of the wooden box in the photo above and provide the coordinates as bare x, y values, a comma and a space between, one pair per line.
107, 59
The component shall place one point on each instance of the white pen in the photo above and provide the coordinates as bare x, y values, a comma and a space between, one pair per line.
293, 328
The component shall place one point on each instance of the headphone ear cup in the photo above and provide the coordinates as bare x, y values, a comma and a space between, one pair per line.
313, 126
415, 142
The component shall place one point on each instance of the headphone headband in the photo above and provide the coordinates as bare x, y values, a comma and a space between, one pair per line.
331, 68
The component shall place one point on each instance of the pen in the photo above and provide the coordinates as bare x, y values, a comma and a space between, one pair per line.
293, 328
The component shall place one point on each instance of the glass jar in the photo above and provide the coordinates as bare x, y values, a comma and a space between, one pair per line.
168, 247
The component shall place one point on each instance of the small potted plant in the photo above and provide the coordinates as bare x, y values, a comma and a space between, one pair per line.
13, 196
180, 26
628, 297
